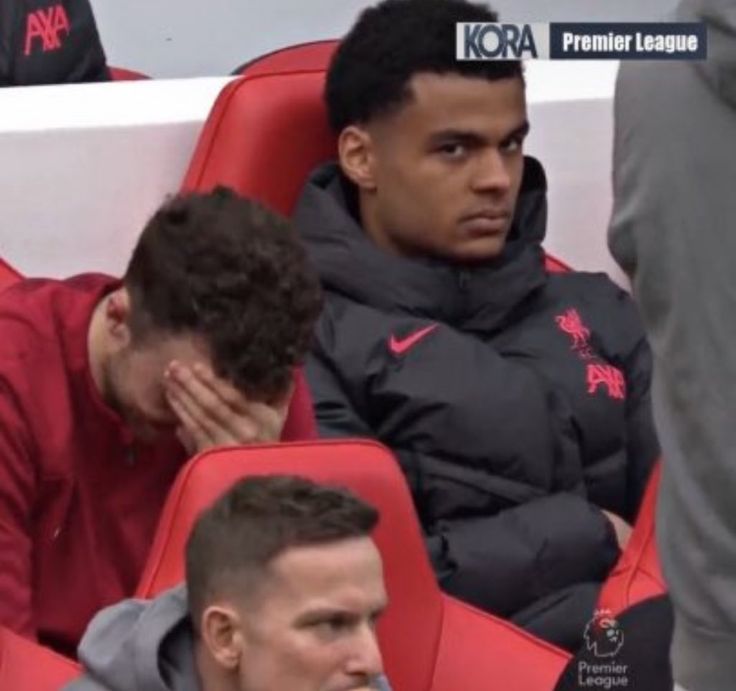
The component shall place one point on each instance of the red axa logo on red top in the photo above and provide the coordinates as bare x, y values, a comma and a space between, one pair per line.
44, 28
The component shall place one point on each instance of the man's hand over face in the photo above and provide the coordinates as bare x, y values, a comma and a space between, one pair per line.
213, 413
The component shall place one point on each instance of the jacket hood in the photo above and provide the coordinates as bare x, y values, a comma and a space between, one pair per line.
477, 298
140, 644
719, 70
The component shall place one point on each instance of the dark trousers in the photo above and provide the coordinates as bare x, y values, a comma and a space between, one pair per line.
561, 617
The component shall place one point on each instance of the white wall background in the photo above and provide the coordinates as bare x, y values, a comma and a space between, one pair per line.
85, 165
185, 38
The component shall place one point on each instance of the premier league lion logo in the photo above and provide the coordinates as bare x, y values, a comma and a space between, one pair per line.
603, 634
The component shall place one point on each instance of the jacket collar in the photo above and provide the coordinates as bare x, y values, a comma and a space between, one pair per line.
479, 298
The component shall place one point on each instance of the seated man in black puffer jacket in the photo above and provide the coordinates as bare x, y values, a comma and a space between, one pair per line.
517, 402
49, 42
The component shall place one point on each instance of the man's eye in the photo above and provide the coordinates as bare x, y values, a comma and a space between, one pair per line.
453, 150
511, 146
333, 626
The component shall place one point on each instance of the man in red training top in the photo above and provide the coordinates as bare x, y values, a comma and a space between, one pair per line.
106, 387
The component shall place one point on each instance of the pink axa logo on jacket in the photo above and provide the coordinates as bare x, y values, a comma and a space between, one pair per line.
609, 377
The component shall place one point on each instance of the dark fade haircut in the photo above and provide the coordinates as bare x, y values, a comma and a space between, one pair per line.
224, 268
233, 542
390, 43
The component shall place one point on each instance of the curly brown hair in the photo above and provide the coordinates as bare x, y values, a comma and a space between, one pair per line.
229, 270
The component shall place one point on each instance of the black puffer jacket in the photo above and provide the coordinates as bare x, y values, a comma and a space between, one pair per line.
516, 402
49, 42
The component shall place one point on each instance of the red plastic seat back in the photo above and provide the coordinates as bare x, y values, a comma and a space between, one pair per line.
305, 57
638, 574
410, 630
554, 265
27, 666
300, 424
268, 130
263, 137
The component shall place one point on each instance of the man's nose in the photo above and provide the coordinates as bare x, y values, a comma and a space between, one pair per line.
491, 172
366, 658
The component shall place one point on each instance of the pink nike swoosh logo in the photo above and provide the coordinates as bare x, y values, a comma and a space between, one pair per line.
400, 346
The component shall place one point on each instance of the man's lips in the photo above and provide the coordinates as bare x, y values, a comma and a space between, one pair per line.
485, 223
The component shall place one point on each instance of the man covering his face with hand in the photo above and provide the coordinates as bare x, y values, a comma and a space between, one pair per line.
107, 386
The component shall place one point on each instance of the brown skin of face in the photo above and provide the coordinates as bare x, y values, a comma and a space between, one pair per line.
440, 176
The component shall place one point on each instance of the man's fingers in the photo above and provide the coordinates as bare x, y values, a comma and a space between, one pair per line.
270, 417
268, 420
219, 387
221, 424
224, 414
201, 400
196, 430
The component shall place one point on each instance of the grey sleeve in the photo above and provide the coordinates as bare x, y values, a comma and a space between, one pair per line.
85, 683
382, 684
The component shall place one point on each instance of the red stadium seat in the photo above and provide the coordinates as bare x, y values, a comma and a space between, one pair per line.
263, 137
311, 56
300, 424
554, 265
8, 274
430, 641
638, 574
27, 666
268, 130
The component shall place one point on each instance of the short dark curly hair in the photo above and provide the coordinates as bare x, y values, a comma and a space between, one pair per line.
229, 270
233, 542
389, 44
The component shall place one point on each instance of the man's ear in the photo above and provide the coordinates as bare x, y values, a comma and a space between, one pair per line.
222, 635
356, 153
117, 316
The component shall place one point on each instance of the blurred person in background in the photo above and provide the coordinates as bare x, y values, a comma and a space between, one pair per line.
49, 42
673, 230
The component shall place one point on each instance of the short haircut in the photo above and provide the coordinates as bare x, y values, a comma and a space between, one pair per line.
226, 269
234, 541
390, 43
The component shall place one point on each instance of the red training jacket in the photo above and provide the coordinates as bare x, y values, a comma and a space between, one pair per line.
79, 500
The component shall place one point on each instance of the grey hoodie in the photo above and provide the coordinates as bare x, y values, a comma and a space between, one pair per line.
139, 645
673, 231
144, 645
